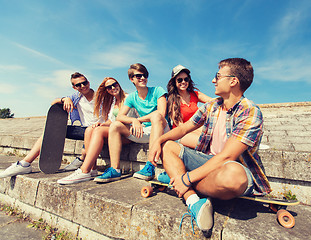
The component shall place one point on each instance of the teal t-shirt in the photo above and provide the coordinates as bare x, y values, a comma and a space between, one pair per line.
146, 106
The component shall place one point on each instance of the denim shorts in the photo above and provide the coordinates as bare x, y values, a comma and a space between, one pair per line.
75, 132
194, 159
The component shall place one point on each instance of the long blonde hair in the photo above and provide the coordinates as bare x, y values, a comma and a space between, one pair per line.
104, 99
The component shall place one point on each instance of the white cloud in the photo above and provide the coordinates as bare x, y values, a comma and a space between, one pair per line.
38, 54
6, 88
286, 70
58, 79
291, 24
121, 56
11, 67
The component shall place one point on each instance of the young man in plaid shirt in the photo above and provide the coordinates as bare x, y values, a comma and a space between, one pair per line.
225, 163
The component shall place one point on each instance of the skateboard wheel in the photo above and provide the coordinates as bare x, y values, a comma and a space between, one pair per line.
285, 218
146, 191
162, 188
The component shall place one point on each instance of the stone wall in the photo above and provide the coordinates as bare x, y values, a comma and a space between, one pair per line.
287, 133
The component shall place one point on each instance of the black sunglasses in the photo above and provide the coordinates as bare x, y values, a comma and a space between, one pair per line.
139, 75
84, 84
219, 76
186, 79
109, 87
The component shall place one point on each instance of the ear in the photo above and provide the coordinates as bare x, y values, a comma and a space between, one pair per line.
234, 81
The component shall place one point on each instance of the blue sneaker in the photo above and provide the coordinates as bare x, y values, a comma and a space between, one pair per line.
109, 175
164, 178
147, 173
202, 213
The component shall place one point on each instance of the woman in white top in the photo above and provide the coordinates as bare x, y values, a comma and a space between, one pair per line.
108, 100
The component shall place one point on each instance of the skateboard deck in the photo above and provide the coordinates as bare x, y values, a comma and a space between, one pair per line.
284, 217
53, 139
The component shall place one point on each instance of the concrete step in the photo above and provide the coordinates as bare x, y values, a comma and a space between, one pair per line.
116, 210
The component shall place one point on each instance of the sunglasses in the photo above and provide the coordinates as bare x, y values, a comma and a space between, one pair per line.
84, 84
186, 79
109, 87
139, 75
218, 76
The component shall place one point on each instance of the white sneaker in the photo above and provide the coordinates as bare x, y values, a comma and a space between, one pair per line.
76, 177
75, 164
15, 169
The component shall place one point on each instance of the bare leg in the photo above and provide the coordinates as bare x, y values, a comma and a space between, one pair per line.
191, 139
225, 183
117, 132
95, 145
173, 164
35, 151
158, 124
87, 137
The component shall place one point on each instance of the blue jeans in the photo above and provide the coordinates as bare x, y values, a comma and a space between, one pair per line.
194, 159
75, 132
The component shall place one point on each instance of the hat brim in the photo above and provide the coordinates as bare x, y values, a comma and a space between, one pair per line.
184, 69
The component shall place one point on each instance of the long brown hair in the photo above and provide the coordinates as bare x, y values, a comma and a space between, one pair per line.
174, 99
105, 99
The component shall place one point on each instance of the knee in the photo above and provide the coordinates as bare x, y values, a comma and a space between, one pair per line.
157, 118
171, 147
115, 127
88, 131
233, 178
99, 132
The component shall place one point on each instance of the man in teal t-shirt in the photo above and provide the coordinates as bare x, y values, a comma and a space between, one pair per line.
150, 103
147, 105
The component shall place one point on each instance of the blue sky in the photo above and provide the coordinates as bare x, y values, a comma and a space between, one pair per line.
43, 42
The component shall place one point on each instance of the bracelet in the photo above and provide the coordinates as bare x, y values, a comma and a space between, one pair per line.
182, 176
189, 177
61, 100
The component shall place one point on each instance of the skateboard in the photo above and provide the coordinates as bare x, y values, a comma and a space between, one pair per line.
277, 206
53, 139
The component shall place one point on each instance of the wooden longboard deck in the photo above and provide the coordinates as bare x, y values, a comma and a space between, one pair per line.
53, 139
282, 202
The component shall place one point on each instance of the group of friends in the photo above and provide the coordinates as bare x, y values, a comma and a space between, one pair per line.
208, 151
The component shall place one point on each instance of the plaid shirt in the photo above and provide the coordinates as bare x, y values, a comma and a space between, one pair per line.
244, 122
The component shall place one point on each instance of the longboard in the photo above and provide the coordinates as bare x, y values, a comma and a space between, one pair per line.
53, 139
284, 217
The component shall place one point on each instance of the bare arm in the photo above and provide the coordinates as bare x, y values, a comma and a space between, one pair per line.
203, 98
67, 103
175, 134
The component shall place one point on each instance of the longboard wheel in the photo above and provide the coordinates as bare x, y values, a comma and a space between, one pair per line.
162, 188
285, 218
146, 191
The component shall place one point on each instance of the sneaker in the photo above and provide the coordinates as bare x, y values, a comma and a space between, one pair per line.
74, 165
76, 177
15, 169
202, 213
147, 173
109, 175
164, 178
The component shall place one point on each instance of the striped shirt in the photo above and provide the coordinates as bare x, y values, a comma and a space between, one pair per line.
244, 122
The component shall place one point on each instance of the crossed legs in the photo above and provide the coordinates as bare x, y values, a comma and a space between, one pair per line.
225, 182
